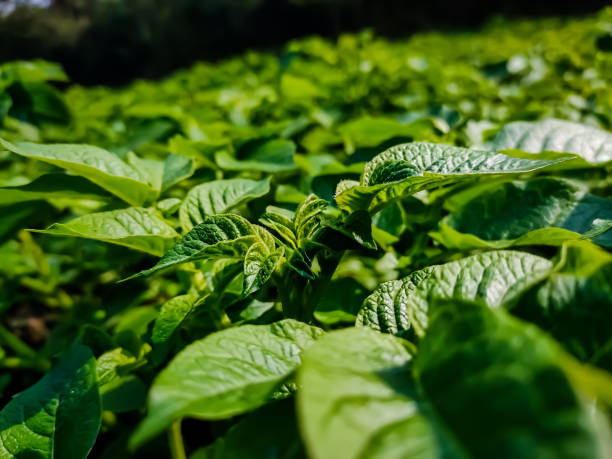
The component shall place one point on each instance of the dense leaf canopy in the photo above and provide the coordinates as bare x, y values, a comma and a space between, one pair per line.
356, 248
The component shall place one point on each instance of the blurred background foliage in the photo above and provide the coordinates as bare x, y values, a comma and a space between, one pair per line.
114, 41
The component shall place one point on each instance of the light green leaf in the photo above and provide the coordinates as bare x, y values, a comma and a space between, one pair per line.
297, 88
227, 373
370, 132
592, 144
95, 164
134, 227
219, 236
406, 169
543, 211
120, 391
401, 306
53, 186
357, 399
471, 354
59, 416
267, 155
219, 197
172, 314
176, 168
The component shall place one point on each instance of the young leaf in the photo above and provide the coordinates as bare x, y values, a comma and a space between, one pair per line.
95, 164
406, 169
308, 217
227, 373
545, 211
219, 236
57, 417
592, 144
219, 197
401, 306
134, 227
260, 262
281, 222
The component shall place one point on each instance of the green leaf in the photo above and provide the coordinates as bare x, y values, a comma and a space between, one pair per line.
592, 144
260, 262
176, 168
401, 306
219, 236
219, 197
361, 395
308, 217
370, 132
95, 164
281, 222
53, 186
57, 417
471, 354
543, 211
408, 168
227, 373
279, 439
171, 316
267, 155
340, 301
135, 227
120, 390
574, 303
357, 399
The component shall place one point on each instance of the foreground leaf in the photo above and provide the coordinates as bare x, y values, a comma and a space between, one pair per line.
219, 197
95, 164
134, 227
471, 354
544, 211
357, 399
481, 383
401, 306
225, 374
592, 144
222, 236
57, 417
406, 169
574, 303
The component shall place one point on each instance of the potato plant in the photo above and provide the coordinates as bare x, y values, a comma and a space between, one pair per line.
349, 249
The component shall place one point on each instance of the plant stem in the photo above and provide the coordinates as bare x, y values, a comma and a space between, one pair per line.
20, 348
175, 440
28, 357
